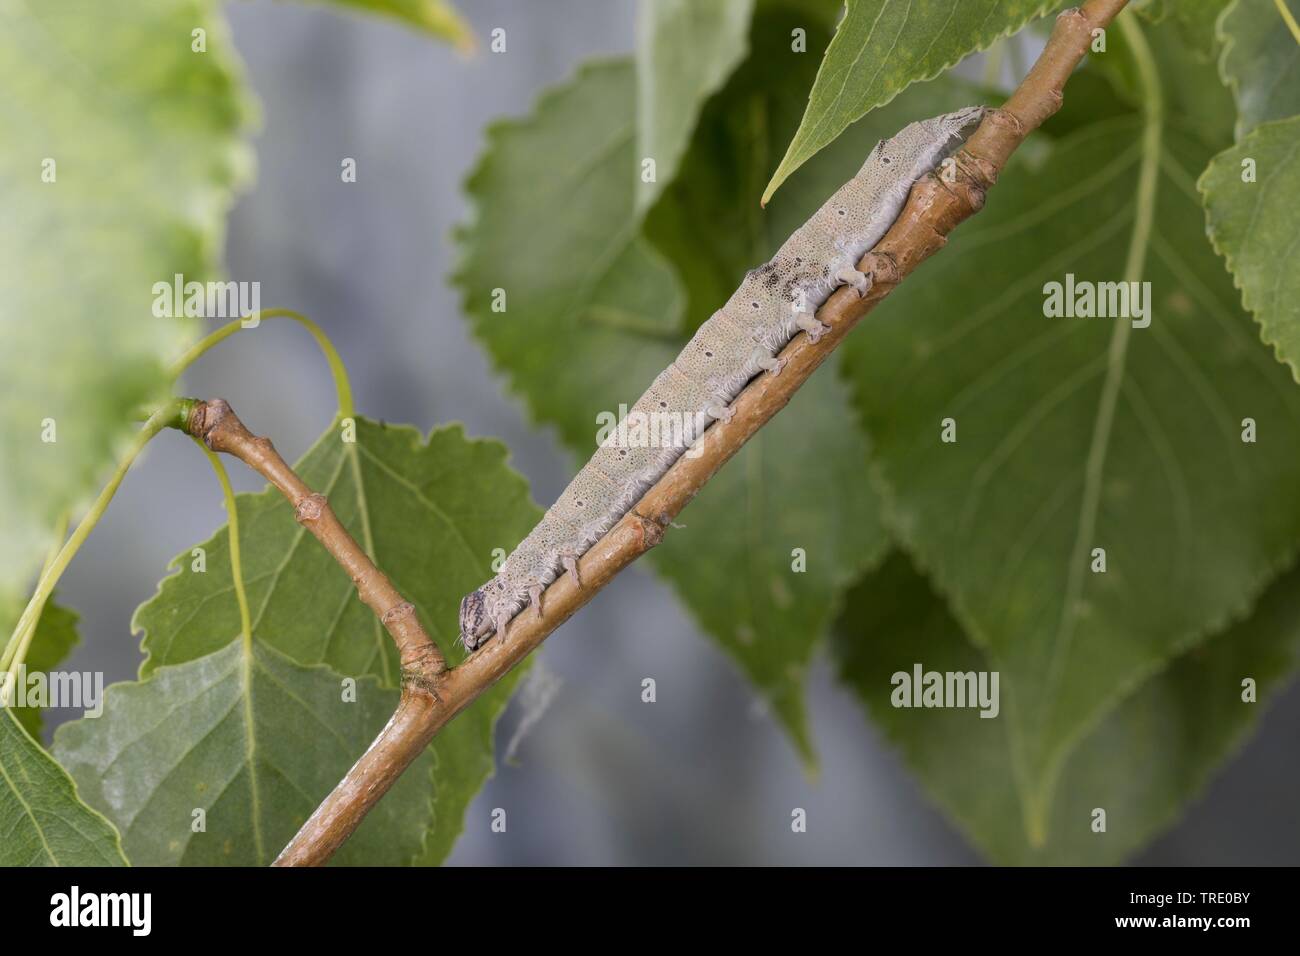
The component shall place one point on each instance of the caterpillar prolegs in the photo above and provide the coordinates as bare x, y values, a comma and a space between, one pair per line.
774, 302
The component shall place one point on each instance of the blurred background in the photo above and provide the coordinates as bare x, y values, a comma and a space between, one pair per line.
598, 777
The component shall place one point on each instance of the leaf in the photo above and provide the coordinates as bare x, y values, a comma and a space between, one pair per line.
1260, 63
55, 637
1141, 764
595, 312
146, 140
1194, 20
1080, 433
42, 822
437, 17
432, 514
253, 740
1194, 94
686, 49
1254, 227
880, 48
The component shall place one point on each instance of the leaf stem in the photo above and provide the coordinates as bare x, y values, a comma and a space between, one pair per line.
232, 519
19, 642
1289, 18
245, 636
173, 414
1038, 795
342, 385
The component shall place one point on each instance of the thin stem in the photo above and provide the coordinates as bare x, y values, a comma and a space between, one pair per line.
1153, 116
1289, 18
342, 385
1037, 799
232, 519
175, 411
16, 648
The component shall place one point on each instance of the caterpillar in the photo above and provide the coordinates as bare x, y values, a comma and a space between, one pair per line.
774, 303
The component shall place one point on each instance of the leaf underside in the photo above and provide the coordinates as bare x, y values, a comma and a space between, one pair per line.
42, 821
1140, 764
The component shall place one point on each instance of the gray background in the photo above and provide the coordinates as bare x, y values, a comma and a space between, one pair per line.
700, 777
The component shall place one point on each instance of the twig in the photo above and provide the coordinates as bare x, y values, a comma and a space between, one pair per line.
934, 208
218, 427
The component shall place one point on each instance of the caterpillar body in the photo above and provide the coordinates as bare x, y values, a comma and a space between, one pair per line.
741, 340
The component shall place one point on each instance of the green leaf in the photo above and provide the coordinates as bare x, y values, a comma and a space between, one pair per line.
437, 17
883, 46
1081, 433
430, 513
145, 138
42, 822
253, 740
1141, 764
55, 637
1254, 226
1194, 20
1260, 63
596, 312
1195, 97
686, 49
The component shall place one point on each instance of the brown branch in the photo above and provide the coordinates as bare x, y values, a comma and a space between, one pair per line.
934, 209
217, 426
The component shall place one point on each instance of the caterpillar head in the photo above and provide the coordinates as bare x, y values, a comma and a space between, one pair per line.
475, 621
922, 145
952, 126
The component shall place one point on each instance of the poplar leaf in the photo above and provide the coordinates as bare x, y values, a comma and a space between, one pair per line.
685, 51
1076, 434
220, 760
883, 46
42, 821
122, 150
1141, 764
1194, 20
1260, 63
1253, 224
